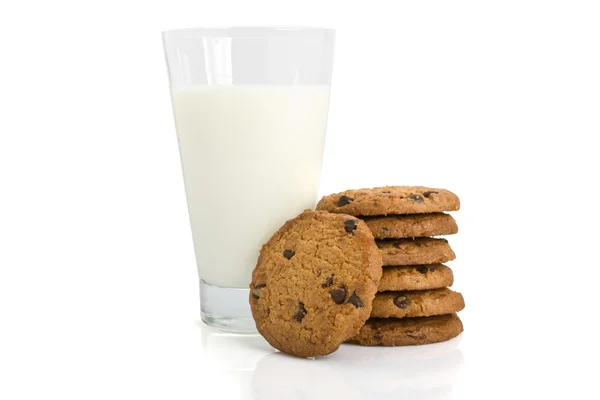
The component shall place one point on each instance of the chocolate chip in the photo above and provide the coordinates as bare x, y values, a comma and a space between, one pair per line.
350, 225
259, 286
416, 198
423, 269
301, 312
386, 191
355, 301
397, 245
429, 192
288, 254
344, 200
328, 282
377, 336
401, 301
338, 295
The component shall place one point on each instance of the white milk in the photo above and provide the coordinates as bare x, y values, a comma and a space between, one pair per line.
251, 157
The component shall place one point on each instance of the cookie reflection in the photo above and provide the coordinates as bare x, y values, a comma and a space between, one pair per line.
356, 372
280, 376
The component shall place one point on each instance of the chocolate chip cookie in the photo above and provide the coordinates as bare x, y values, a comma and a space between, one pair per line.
420, 303
416, 277
314, 283
411, 225
390, 200
408, 331
415, 251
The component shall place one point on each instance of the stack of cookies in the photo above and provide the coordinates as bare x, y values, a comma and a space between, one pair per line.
413, 304
364, 268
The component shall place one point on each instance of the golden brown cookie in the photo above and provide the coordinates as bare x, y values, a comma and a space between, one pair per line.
390, 200
419, 303
416, 277
314, 283
408, 331
411, 225
415, 251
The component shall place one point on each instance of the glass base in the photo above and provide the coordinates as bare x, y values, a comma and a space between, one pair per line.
227, 309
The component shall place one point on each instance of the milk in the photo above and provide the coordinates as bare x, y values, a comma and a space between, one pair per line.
251, 158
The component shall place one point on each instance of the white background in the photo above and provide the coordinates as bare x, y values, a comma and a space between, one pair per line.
498, 101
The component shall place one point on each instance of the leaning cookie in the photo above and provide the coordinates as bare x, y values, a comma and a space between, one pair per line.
390, 200
420, 303
408, 331
314, 283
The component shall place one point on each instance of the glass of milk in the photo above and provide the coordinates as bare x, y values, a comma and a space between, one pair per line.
250, 108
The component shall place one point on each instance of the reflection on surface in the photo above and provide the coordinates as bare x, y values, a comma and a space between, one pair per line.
353, 372
239, 352
234, 358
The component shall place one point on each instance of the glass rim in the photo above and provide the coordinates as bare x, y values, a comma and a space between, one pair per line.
247, 31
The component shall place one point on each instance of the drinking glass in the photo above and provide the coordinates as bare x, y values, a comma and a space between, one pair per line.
250, 107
